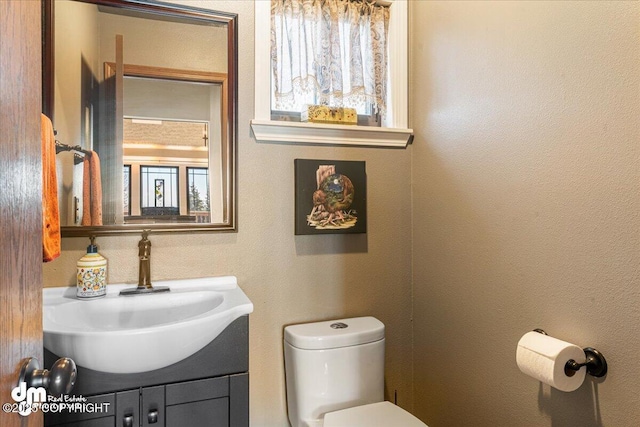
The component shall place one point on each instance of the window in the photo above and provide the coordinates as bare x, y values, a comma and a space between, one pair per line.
126, 181
331, 53
198, 193
394, 130
159, 190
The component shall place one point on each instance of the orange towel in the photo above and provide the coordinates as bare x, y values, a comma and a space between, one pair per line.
91, 190
50, 210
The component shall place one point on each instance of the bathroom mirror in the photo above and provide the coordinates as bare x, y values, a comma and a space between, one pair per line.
142, 96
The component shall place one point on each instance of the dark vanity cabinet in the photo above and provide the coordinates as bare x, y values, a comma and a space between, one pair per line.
208, 389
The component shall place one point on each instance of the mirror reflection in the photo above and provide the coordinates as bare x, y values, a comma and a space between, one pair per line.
143, 107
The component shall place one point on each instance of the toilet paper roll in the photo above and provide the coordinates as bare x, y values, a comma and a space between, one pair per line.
544, 358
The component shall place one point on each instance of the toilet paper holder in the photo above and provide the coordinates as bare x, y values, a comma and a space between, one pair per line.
596, 363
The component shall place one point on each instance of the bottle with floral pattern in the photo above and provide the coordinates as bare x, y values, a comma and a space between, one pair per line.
92, 273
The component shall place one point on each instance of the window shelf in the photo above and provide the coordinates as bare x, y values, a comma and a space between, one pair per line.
317, 133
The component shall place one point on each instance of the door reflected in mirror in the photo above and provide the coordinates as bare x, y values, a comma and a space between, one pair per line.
143, 102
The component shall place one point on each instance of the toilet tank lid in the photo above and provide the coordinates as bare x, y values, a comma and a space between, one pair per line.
334, 333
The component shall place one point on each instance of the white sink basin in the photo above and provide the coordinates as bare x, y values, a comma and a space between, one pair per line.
127, 334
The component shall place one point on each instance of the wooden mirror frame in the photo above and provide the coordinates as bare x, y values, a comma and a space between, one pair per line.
229, 167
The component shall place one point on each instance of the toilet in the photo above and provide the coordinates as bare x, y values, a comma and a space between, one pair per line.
335, 376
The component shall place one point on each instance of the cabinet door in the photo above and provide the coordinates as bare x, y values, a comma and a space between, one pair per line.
95, 407
200, 403
239, 400
97, 422
205, 413
128, 408
153, 407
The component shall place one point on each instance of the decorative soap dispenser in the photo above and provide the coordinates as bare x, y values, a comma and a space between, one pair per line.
92, 273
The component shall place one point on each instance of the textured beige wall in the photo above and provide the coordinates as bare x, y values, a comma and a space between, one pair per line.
289, 278
526, 176
76, 43
205, 46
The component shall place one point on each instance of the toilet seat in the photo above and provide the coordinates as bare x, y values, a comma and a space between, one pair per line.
381, 414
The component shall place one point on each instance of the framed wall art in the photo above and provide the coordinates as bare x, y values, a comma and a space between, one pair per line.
330, 196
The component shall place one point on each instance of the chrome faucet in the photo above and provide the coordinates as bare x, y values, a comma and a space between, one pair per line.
144, 273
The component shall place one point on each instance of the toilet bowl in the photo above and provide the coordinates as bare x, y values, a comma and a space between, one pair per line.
335, 375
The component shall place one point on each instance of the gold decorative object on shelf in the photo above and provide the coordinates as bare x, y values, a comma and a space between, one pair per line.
327, 114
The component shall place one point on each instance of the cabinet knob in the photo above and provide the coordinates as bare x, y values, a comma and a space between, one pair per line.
152, 417
127, 421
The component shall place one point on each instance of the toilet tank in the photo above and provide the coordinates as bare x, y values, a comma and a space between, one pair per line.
332, 365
